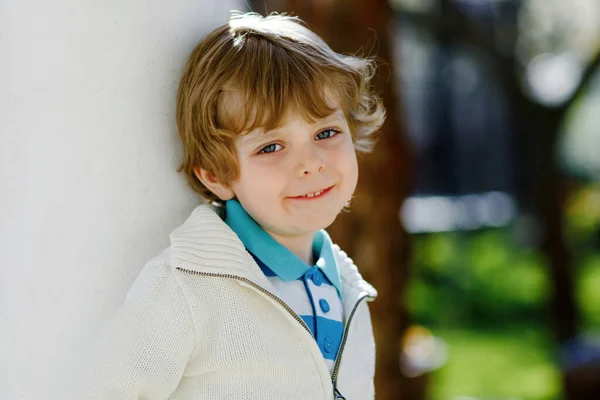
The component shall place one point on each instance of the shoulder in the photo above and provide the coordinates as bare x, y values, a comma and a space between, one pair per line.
153, 327
155, 281
349, 274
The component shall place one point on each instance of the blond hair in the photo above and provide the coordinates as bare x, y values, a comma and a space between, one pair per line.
247, 73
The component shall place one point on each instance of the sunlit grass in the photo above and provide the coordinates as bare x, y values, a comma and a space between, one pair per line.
497, 365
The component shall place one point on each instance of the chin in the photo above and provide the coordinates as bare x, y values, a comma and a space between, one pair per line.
317, 224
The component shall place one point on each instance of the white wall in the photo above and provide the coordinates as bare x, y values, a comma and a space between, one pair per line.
88, 156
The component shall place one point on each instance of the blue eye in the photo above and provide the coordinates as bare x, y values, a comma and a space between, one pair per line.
327, 133
271, 148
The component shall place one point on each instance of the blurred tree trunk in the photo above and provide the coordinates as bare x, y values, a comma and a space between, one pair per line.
373, 226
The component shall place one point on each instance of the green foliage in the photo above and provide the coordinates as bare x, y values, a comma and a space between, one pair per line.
582, 232
582, 220
480, 278
588, 291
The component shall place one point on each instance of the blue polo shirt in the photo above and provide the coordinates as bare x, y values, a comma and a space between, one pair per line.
312, 291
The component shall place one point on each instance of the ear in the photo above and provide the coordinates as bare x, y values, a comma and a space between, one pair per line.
209, 180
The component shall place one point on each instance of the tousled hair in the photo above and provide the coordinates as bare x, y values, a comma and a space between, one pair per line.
248, 73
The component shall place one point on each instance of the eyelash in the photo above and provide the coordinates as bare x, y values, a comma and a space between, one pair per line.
336, 132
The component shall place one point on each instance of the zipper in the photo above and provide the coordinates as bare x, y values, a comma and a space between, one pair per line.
338, 359
337, 394
336, 367
263, 290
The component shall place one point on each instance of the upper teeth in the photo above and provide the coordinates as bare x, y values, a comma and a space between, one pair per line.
313, 194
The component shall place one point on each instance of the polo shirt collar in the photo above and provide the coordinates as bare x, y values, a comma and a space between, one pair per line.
285, 264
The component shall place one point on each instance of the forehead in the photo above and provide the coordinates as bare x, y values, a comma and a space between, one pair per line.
238, 113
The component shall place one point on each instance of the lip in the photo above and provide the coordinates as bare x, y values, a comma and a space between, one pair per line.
324, 192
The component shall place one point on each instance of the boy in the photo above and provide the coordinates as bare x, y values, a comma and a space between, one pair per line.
252, 300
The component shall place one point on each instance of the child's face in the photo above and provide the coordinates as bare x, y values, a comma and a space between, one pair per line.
296, 159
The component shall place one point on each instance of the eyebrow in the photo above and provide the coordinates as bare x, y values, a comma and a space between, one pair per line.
256, 136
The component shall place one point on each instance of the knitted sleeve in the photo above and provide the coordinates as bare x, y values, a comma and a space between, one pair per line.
144, 350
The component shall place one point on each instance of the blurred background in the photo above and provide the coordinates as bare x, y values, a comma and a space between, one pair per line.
477, 216
489, 161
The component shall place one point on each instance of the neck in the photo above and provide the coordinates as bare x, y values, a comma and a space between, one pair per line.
301, 246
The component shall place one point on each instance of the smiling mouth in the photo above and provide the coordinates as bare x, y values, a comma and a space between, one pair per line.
313, 195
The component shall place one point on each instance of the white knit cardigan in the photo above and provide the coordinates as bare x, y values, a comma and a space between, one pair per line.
202, 321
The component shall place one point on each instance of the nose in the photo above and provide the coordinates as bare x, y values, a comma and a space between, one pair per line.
311, 161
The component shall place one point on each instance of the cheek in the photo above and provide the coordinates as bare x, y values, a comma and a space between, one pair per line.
350, 162
258, 181
354, 171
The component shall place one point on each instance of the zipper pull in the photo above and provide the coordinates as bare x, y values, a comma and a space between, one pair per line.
337, 394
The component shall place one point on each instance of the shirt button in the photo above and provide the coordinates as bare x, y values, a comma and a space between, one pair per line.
324, 305
317, 279
327, 345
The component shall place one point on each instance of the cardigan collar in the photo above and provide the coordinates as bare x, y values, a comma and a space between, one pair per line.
204, 243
